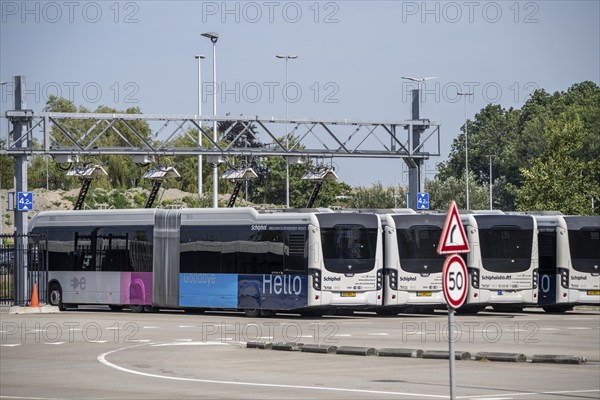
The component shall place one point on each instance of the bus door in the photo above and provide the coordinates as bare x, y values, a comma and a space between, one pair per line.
548, 273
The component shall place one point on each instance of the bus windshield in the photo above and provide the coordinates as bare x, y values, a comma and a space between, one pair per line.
585, 250
506, 248
417, 247
349, 249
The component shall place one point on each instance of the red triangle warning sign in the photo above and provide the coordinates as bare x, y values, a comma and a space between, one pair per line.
453, 238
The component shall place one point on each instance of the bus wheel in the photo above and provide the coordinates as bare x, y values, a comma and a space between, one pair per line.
252, 312
136, 308
55, 296
387, 312
557, 309
507, 308
311, 314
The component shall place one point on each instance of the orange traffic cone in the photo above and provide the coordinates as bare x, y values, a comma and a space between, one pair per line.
34, 297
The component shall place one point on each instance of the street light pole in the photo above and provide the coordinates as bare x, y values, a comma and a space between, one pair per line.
490, 156
287, 136
465, 94
213, 36
200, 57
414, 172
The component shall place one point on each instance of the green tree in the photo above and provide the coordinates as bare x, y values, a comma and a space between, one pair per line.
378, 196
560, 179
442, 191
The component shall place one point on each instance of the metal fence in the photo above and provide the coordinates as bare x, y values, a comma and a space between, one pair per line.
33, 260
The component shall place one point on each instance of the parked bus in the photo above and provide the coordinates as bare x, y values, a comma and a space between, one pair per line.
412, 267
503, 261
569, 258
213, 259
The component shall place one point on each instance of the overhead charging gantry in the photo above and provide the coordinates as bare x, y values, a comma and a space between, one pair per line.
54, 134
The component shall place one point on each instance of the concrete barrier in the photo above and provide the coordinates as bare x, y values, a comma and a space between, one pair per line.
318, 348
356, 351
505, 357
558, 359
287, 346
259, 345
413, 353
445, 355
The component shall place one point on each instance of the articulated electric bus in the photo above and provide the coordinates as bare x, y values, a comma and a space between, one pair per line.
569, 258
213, 259
503, 261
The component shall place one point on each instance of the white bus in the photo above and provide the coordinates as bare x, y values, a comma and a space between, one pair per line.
503, 261
569, 258
413, 279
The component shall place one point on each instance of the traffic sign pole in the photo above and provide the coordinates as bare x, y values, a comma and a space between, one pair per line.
454, 277
451, 352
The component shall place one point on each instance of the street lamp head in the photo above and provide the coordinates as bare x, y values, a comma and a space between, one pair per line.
464, 93
291, 57
199, 56
3, 83
411, 78
213, 36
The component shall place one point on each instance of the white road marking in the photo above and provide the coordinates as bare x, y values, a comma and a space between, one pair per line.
579, 328
56, 343
494, 396
188, 344
11, 345
102, 359
379, 334
186, 326
150, 327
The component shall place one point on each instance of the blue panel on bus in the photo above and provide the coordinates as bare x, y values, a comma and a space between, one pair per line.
547, 288
208, 290
273, 292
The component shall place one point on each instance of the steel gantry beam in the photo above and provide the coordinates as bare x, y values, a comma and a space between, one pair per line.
54, 133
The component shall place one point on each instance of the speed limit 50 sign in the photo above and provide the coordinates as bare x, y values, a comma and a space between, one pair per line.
455, 280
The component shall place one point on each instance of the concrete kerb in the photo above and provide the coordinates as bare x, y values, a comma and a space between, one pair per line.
287, 346
412, 353
44, 309
505, 357
445, 355
558, 359
319, 348
259, 345
356, 351
416, 353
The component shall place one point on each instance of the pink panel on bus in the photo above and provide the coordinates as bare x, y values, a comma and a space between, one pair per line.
136, 287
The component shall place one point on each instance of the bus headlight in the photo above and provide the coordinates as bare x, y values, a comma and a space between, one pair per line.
564, 277
316, 278
379, 280
474, 273
535, 278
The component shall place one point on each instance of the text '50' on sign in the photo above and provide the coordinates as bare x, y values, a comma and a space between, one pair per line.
454, 281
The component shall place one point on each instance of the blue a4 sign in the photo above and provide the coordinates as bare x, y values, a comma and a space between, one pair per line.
422, 201
24, 201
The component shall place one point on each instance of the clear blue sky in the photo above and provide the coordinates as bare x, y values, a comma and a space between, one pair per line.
351, 55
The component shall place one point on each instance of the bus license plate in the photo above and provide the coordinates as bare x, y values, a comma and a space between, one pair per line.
423, 294
593, 292
348, 294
